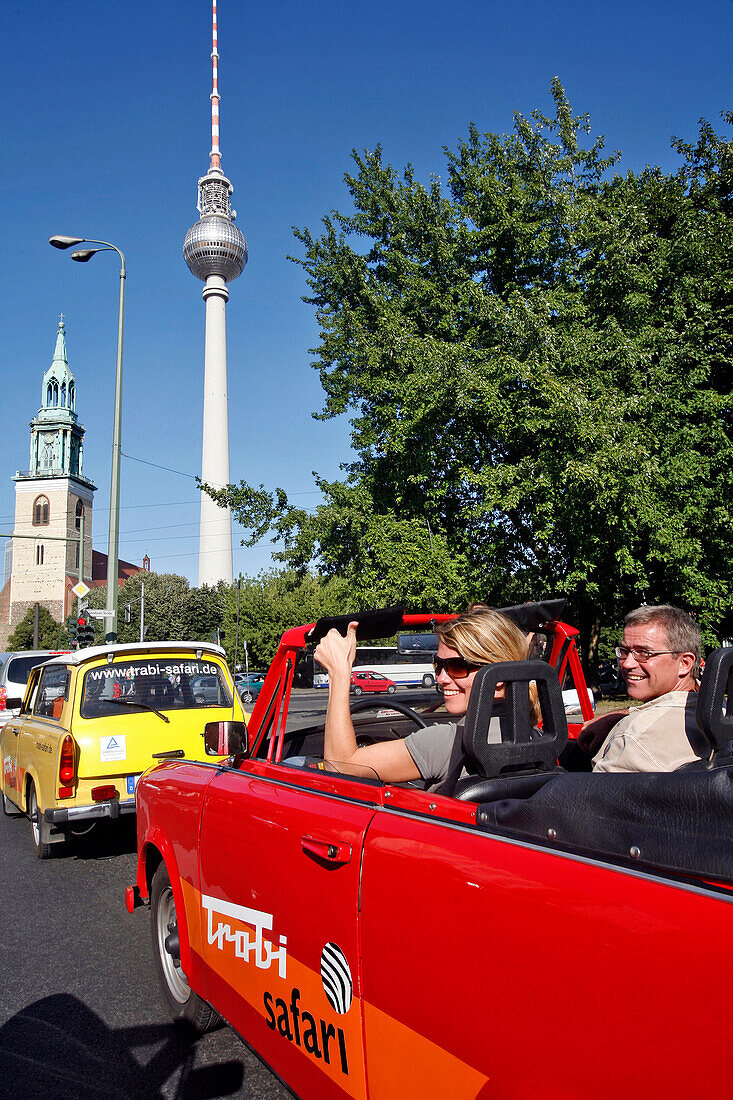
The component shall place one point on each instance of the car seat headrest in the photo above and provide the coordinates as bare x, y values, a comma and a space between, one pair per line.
523, 746
717, 683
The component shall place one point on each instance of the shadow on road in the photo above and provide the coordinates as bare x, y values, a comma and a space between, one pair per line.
58, 1048
104, 840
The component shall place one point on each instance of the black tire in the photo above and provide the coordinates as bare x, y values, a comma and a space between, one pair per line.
182, 1002
391, 689
247, 698
199, 700
428, 680
43, 850
358, 691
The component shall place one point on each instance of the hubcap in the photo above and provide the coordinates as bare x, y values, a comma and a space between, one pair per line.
167, 926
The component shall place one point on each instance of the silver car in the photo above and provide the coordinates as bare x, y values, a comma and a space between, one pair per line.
15, 668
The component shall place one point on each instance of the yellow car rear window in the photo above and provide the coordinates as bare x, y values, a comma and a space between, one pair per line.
153, 683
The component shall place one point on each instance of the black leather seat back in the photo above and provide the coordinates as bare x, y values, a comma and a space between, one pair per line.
717, 683
523, 747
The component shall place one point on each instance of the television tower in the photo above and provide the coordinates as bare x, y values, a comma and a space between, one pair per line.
216, 252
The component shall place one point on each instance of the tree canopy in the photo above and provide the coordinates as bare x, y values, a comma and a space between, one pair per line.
273, 602
535, 357
173, 609
268, 605
51, 635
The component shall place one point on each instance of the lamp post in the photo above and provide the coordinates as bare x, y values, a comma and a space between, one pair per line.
83, 256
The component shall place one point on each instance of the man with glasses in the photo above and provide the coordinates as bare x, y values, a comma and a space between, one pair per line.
659, 658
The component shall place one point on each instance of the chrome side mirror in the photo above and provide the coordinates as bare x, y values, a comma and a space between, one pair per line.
225, 738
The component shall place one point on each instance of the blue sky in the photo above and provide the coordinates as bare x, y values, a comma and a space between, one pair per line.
106, 129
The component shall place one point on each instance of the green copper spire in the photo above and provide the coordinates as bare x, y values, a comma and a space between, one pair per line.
60, 355
56, 435
59, 390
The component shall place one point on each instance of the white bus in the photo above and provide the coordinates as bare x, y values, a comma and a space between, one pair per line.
407, 669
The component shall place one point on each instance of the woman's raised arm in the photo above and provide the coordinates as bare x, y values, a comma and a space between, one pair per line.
389, 759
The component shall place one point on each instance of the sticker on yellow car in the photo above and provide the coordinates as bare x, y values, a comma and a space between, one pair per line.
112, 747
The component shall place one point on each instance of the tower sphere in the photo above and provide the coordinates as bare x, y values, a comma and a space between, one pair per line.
215, 246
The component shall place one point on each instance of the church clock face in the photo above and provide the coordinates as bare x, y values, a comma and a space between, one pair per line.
48, 448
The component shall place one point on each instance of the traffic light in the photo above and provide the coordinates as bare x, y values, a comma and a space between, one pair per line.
73, 631
85, 631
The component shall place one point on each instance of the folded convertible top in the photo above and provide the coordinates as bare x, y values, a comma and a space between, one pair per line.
386, 621
679, 821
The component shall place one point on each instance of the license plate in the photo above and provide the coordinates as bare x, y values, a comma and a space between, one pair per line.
132, 783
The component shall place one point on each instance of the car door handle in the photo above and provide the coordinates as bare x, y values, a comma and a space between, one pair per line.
327, 850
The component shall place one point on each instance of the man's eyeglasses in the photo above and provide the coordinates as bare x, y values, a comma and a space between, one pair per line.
641, 655
457, 668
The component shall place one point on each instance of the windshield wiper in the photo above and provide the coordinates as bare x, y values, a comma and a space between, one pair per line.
135, 703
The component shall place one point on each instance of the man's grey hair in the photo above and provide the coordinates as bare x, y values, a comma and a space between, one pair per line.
680, 629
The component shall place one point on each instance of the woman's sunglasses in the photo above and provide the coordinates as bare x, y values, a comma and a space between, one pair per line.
457, 668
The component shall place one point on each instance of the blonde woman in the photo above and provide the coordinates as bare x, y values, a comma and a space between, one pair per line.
479, 637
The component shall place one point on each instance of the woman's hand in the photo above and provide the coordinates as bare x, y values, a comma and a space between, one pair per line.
336, 653
390, 760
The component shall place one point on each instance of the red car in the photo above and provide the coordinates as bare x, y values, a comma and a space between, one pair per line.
362, 680
540, 932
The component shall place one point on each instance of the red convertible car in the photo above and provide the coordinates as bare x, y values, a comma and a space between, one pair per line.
538, 932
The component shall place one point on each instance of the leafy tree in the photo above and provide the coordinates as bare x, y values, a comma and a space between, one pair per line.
173, 610
271, 603
536, 361
51, 635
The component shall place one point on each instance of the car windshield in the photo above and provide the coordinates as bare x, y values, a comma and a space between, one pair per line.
155, 683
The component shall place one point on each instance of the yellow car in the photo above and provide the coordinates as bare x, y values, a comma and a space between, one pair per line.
93, 721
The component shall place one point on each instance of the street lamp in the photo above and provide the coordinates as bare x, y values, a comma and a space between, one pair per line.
82, 256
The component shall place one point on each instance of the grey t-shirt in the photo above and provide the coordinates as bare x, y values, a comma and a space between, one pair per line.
431, 749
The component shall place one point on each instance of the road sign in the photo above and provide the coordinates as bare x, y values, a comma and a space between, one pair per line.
99, 613
81, 590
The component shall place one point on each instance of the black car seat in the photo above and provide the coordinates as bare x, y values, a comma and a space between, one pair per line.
715, 706
526, 757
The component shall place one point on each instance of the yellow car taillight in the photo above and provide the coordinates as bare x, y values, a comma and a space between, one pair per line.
66, 767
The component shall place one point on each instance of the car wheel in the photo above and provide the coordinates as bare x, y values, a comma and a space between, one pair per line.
358, 691
43, 850
428, 680
391, 689
182, 1002
199, 700
247, 698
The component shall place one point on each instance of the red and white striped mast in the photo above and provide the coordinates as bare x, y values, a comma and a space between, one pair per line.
215, 154
216, 252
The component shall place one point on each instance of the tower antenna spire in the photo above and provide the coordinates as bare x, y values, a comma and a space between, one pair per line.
215, 151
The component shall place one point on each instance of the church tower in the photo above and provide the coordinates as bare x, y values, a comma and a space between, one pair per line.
49, 499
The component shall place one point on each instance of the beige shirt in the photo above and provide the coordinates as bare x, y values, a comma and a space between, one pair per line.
658, 736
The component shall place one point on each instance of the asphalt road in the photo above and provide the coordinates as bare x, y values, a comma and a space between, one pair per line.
80, 1011
81, 1016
